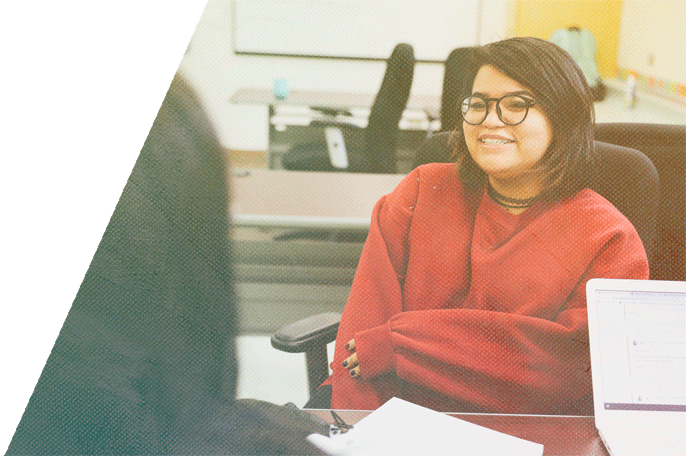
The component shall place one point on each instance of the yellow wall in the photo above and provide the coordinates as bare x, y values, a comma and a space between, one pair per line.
540, 18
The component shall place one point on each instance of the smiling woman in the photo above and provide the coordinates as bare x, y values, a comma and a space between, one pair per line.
555, 132
470, 292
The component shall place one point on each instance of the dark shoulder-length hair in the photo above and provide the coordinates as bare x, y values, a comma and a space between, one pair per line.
559, 85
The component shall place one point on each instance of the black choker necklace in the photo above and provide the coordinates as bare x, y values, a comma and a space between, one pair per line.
512, 203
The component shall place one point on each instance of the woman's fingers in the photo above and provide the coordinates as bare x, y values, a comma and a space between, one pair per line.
350, 346
350, 362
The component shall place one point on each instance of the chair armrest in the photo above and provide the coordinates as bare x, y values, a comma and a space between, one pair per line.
307, 334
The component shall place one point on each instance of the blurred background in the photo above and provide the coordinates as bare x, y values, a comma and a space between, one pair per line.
642, 36
341, 46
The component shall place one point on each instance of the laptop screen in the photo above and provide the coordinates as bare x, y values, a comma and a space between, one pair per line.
642, 345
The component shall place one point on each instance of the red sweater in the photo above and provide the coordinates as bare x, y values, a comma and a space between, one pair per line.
459, 305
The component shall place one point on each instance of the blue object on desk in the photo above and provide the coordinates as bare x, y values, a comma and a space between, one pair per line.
280, 89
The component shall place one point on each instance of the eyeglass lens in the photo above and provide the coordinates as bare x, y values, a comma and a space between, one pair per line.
511, 109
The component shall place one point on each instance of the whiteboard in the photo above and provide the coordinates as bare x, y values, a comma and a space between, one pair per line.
355, 29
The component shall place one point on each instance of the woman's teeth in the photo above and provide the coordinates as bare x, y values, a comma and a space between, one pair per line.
490, 141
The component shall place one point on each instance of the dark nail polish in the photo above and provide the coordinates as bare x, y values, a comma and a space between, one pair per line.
347, 346
345, 363
352, 373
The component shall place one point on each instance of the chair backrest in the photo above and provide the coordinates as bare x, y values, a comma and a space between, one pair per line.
628, 179
665, 145
436, 148
381, 134
624, 176
456, 74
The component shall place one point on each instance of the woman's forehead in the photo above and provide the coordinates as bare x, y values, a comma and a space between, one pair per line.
492, 82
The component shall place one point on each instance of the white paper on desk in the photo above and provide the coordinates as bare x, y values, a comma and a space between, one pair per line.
402, 428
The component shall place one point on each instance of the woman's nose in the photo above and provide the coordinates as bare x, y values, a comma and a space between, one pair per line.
492, 119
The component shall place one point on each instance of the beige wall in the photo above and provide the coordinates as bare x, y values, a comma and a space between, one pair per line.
652, 38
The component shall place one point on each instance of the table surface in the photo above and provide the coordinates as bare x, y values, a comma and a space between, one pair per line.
560, 435
304, 199
431, 104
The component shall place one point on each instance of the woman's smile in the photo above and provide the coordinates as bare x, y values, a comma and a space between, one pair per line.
494, 140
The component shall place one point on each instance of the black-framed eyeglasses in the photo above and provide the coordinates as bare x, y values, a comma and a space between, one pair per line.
511, 109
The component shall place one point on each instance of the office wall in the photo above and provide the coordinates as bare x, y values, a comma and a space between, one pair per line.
217, 73
652, 43
540, 18
356, 29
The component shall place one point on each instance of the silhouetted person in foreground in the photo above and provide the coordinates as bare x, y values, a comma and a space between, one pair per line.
146, 360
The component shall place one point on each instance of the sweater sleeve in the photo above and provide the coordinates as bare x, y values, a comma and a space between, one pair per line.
376, 294
495, 360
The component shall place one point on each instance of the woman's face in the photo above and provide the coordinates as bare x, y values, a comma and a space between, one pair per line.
506, 152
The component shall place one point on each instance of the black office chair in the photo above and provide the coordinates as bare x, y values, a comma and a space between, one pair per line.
665, 145
626, 177
377, 154
456, 76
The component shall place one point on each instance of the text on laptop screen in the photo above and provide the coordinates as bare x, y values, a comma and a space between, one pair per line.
643, 349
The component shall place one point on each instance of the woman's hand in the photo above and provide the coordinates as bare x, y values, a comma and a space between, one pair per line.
351, 362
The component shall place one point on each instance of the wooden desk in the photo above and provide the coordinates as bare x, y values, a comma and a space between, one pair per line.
560, 435
300, 199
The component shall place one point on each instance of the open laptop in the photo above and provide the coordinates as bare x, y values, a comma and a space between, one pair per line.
637, 333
